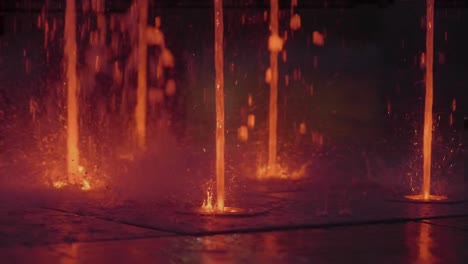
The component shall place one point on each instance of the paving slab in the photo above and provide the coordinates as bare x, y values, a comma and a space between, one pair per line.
31, 226
459, 223
288, 210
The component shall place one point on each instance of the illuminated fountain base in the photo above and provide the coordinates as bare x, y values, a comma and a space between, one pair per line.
431, 198
419, 198
231, 212
208, 209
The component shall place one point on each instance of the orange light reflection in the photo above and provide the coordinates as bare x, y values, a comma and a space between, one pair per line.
422, 197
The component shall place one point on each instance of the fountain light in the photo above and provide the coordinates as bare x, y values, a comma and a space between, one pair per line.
429, 98
140, 109
275, 45
70, 48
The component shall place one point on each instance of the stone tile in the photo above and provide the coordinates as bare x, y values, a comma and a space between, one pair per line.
460, 223
293, 210
392, 243
33, 226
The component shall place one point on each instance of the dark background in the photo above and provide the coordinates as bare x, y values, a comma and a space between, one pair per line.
371, 57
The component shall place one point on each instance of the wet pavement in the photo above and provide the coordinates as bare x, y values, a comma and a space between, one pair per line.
279, 210
43, 236
290, 232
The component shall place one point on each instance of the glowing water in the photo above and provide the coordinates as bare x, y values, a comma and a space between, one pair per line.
140, 110
273, 112
219, 93
427, 140
70, 54
427, 135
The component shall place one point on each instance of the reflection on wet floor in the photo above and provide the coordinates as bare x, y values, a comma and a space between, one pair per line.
425, 242
411, 242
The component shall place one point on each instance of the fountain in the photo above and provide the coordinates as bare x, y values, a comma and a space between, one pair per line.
275, 44
140, 109
70, 54
146, 191
274, 169
140, 41
95, 74
219, 208
427, 135
219, 94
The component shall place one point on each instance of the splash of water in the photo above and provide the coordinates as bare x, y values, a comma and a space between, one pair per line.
428, 119
208, 205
